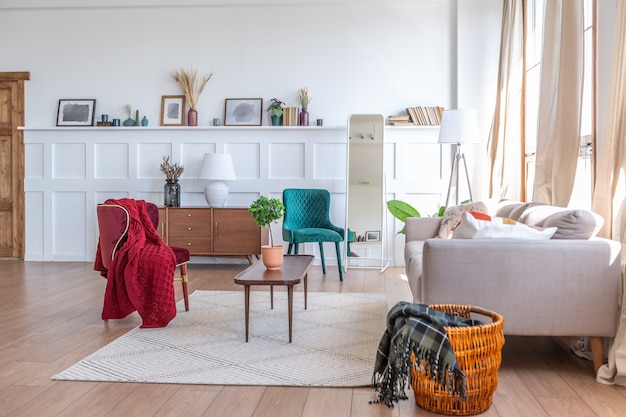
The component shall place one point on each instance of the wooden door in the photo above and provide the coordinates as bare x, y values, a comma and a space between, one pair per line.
235, 232
12, 223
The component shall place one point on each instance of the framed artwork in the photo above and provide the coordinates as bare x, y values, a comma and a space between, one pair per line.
76, 112
372, 236
243, 111
172, 110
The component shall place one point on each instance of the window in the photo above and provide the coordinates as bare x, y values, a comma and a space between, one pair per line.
534, 13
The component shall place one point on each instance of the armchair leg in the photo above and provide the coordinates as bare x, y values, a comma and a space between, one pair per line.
339, 261
185, 278
289, 248
322, 256
597, 352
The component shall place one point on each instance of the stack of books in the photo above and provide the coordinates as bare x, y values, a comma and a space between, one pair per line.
425, 116
400, 120
291, 116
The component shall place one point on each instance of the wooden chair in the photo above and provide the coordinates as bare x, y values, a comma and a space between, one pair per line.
113, 223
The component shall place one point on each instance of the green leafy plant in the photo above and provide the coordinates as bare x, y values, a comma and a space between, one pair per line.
401, 210
265, 211
276, 107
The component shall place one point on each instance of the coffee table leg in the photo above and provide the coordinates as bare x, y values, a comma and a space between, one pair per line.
290, 307
272, 297
246, 290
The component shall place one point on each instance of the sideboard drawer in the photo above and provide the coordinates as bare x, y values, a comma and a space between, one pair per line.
196, 245
189, 215
190, 229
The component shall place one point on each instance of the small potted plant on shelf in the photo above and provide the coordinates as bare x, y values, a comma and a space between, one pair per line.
276, 111
266, 211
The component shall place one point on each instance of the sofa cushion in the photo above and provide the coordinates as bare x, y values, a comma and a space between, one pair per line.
472, 227
513, 209
452, 217
571, 223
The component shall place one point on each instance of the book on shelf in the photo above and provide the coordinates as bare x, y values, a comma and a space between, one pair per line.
290, 116
425, 115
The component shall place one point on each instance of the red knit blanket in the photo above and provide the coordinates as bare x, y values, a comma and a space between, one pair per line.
141, 275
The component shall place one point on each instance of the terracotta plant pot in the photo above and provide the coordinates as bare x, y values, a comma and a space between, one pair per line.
272, 256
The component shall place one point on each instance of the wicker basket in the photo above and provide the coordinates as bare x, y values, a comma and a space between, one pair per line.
478, 350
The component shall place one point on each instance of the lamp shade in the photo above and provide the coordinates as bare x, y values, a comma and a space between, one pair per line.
459, 126
217, 166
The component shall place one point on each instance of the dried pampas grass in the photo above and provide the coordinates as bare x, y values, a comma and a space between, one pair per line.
192, 87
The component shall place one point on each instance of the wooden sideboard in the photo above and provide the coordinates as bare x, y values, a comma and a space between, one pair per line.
212, 231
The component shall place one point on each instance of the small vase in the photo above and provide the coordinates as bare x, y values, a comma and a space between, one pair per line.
192, 117
144, 121
171, 193
304, 117
137, 121
129, 122
275, 120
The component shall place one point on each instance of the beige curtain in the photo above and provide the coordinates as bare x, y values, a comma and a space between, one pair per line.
505, 138
560, 98
609, 188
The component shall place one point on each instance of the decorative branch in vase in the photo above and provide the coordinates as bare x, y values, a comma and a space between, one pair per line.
192, 88
171, 191
304, 102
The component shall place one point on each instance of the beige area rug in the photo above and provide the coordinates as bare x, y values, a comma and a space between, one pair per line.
334, 343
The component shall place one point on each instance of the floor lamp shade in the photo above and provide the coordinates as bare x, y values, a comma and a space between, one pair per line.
460, 127
219, 168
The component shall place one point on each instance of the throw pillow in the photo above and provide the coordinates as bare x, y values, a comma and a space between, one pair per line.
498, 227
452, 217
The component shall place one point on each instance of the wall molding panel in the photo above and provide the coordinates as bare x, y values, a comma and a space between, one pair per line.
70, 170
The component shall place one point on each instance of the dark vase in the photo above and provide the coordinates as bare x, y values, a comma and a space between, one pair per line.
171, 193
129, 122
304, 117
144, 121
192, 117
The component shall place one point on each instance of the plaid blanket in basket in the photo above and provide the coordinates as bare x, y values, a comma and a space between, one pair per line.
419, 329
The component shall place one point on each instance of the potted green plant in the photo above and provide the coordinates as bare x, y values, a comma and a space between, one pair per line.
266, 211
276, 111
401, 210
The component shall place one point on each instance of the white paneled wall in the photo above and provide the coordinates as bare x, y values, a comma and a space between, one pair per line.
70, 170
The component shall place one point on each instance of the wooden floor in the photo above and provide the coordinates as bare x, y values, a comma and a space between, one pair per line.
50, 319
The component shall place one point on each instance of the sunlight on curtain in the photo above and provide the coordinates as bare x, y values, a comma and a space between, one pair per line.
560, 102
608, 196
505, 138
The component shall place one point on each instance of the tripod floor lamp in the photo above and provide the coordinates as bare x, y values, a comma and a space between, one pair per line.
460, 127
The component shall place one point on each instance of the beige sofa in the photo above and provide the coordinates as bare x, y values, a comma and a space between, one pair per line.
568, 285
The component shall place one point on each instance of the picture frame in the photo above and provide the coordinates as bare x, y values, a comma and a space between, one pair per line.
372, 236
173, 110
243, 111
76, 112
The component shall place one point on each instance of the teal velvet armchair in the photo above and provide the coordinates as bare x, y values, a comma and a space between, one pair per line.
307, 219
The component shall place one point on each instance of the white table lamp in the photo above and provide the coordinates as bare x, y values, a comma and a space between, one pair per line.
219, 168
460, 127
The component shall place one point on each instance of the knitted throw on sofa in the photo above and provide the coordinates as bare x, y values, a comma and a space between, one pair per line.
419, 329
140, 275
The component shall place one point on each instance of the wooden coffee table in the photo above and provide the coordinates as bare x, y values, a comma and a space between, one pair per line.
293, 270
